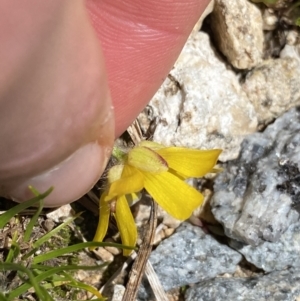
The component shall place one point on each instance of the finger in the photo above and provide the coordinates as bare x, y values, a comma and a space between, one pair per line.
56, 117
141, 41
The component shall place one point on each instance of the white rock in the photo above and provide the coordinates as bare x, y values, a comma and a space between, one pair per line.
238, 29
113, 250
292, 47
103, 254
201, 103
61, 213
273, 87
270, 19
293, 37
291, 51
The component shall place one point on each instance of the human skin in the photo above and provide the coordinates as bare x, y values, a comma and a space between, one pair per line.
64, 66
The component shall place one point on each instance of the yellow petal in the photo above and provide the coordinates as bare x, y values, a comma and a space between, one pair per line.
217, 169
126, 224
172, 194
115, 173
177, 174
129, 171
151, 144
103, 219
191, 163
131, 181
133, 198
146, 159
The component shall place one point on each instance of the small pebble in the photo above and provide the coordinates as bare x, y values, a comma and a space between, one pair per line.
119, 291
168, 232
112, 250
48, 224
170, 221
158, 237
270, 20
292, 37
7, 243
103, 254
61, 213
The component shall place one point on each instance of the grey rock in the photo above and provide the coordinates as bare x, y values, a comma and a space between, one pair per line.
255, 197
238, 28
276, 286
201, 104
273, 87
190, 256
271, 256
118, 292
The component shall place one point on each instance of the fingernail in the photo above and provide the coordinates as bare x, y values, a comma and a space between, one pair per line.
71, 179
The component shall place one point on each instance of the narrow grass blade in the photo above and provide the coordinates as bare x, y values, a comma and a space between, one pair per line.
2, 297
5, 217
53, 280
85, 287
14, 250
33, 221
69, 267
48, 235
79, 284
46, 296
17, 267
102, 299
44, 276
54, 284
74, 248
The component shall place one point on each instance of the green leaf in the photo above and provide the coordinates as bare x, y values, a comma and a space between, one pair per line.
81, 285
33, 221
46, 275
46, 296
5, 217
17, 267
48, 235
74, 248
2, 297
69, 267
14, 251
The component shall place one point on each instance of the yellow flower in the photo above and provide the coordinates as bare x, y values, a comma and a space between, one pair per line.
161, 171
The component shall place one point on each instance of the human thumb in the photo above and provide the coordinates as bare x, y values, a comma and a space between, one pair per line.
56, 117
